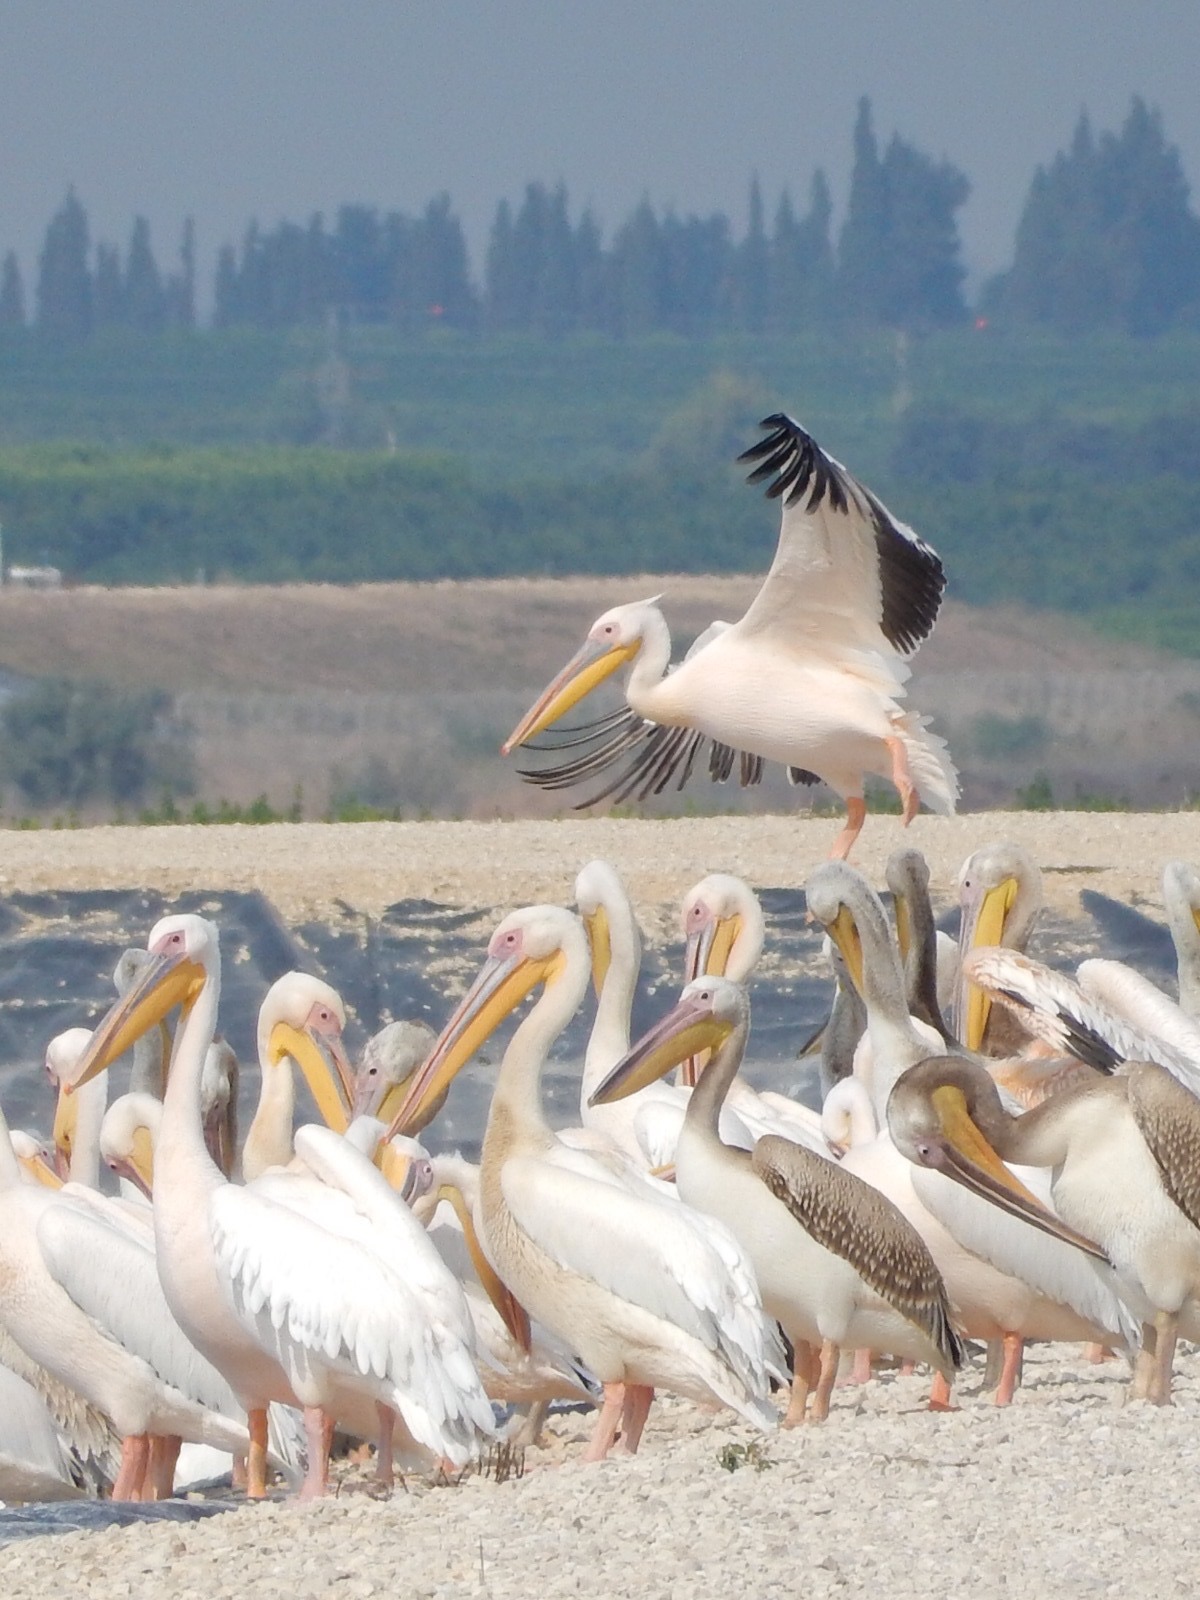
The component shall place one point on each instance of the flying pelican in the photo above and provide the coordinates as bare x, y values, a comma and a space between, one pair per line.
813, 675
647, 1292
836, 1263
308, 1298
1125, 1180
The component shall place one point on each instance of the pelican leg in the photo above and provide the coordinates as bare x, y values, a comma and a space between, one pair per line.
237, 1473
526, 1423
940, 1394
135, 1454
1010, 1372
316, 1434
383, 1455
256, 1462
1096, 1353
1166, 1325
1144, 1363
160, 1472
609, 1420
993, 1366
828, 1376
634, 1411
902, 778
803, 1378
856, 815
860, 1371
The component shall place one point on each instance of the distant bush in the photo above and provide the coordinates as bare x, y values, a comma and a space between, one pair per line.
997, 738
64, 743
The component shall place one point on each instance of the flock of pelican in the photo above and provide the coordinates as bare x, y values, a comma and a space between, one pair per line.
1002, 1153
1027, 1170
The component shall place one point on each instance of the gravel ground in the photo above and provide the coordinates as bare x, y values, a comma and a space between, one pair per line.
1068, 1492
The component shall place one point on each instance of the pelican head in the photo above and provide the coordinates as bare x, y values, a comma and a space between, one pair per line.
723, 926
184, 954
63, 1054
533, 946
383, 1074
708, 1011
302, 1018
945, 1113
613, 639
846, 906
127, 1137
1000, 893
598, 890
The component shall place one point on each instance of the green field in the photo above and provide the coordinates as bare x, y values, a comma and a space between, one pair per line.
1062, 473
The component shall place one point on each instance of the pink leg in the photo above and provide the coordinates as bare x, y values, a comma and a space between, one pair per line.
256, 1462
829, 1366
860, 1372
902, 778
160, 1472
939, 1394
135, 1454
634, 1411
607, 1423
856, 815
1167, 1326
383, 1457
1096, 1353
317, 1479
803, 1378
1010, 1372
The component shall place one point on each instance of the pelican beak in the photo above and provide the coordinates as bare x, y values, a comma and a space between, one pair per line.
509, 1309
707, 954
41, 1170
600, 943
843, 930
499, 989
685, 1031
984, 917
138, 1165
903, 924
166, 981
321, 1057
65, 1120
962, 1153
595, 660
410, 1176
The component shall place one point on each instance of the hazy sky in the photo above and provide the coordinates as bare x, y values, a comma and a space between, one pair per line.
227, 109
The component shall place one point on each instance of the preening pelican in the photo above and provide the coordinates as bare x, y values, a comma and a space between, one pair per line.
836, 1263
1125, 1180
298, 1301
647, 1292
812, 676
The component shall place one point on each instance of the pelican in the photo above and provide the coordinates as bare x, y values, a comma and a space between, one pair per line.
388, 1061
301, 1019
306, 1299
647, 1292
1000, 893
79, 1302
1181, 897
836, 1263
1125, 1180
921, 946
725, 931
813, 675
1002, 1295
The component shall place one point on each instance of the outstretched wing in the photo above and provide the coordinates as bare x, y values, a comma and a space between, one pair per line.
846, 571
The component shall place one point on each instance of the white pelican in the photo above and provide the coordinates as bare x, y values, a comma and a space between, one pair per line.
1006, 1289
309, 1298
389, 1059
725, 931
301, 1019
1125, 1179
836, 1263
34, 1464
813, 675
79, 1302
1181, 897
1000, 894
646, 1291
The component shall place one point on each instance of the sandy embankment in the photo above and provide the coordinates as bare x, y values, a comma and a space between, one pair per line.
1067, 1492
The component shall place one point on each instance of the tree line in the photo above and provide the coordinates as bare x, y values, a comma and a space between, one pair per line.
1106, 239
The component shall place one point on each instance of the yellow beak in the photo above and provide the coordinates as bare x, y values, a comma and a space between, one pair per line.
322, 1060
983, 925
591, 664
685, 1031
166, 981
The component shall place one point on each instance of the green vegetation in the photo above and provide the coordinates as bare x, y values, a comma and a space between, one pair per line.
73, 743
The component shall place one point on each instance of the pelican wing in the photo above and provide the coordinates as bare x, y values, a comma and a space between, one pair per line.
657, 1254
856, 1222
845, 571
112, 1276
1168, 1118
308, 1292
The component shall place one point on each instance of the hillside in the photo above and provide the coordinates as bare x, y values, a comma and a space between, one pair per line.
399, 694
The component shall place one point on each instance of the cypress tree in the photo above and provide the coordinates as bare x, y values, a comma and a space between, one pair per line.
752, 268
862, 248
12, 293
108, 295
501, 291
64, 287
145, 302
